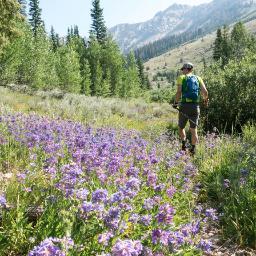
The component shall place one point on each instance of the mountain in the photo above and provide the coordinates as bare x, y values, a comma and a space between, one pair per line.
180, 19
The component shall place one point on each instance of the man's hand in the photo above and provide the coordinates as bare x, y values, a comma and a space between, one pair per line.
175, 105
206, 102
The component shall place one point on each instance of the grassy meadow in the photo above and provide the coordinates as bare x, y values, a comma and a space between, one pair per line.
92, 176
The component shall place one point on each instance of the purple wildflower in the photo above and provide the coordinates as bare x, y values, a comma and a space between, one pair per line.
146, 219
2, 201
226, 183
51, 247
165, 214
105, 237
211, 213
205, 245
99, 195
148, 204
171, 191
127, 248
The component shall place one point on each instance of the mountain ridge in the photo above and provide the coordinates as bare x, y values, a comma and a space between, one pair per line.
178, 19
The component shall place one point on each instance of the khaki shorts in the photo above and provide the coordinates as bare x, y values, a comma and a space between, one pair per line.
189, 111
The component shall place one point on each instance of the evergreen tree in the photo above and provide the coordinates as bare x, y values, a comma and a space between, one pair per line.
35, 16
10, 17
76, 31
23, 9
98, 80
68, 69
98, 27
55, 40
112, 61
86, 78
94, 56
217, 50
239, 40
226, 46
141, 73
132, 77
105, 92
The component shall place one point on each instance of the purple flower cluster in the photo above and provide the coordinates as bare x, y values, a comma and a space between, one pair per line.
51, 247
127, 248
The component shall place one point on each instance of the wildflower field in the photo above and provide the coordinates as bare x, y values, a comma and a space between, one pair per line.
73, 186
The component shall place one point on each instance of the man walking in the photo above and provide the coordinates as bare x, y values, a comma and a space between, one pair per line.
189, 89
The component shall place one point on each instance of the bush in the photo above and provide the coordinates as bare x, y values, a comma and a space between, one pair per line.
232, 93
162, 95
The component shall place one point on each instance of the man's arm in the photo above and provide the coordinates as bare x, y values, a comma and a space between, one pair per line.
204, 93
178, 93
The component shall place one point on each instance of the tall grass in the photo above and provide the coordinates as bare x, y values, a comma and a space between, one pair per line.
228, 174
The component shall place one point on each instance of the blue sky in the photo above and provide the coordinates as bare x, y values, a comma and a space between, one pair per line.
62, 14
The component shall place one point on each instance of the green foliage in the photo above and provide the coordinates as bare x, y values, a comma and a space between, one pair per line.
163, 94
35, 14
217, 51
232, 93
55, 40
232, 45
132, 80
23, 9
98, 27
10, 16
86, 78
227, 168
29, 61
68, 69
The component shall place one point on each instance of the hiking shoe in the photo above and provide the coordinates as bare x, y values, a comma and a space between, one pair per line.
192, 151
183, 148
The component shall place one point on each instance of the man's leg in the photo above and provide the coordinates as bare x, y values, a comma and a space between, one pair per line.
182, 134
194, 140
194, 120
182, 123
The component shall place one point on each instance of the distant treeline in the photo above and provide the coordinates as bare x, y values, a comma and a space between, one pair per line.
92, 67
161, 46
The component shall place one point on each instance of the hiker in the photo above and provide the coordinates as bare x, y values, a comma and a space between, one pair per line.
189, 89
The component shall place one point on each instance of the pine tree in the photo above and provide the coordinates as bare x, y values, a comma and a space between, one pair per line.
94, 56
141, 73
35, 16
239, 40
226, 46
68, 68
105, 92
132, 77
23, 9
76, 31
98, 80
86, 78
98, 27
217, 50
112, 61
55, 40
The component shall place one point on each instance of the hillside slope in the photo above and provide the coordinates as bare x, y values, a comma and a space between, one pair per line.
195, 52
